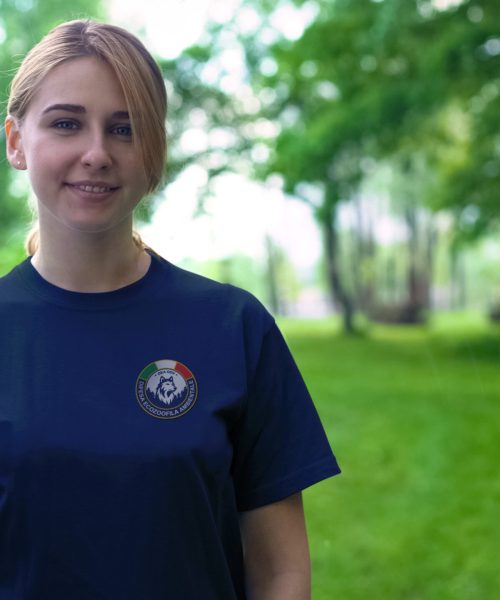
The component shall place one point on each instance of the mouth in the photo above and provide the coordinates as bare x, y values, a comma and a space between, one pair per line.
92, 188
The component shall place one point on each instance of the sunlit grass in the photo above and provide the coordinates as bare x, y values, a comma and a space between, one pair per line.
412, 414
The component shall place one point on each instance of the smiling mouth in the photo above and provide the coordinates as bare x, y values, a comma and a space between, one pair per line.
92, 189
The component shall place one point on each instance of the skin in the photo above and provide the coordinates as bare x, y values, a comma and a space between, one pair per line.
277, 562
85, 238
86, 245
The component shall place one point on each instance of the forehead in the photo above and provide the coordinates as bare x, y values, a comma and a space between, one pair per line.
87, 81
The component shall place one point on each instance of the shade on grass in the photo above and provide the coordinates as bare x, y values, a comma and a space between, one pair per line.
414, 418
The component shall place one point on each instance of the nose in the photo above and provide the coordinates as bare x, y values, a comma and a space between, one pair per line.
96, 155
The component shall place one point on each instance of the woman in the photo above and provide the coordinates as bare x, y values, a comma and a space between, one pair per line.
155, 433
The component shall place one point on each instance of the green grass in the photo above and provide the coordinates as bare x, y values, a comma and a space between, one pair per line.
413, 417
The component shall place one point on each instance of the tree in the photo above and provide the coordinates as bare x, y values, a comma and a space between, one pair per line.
369, 79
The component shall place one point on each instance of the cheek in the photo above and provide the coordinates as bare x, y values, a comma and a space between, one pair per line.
132, 165
46, 172
44, 156
137, 178
43, 172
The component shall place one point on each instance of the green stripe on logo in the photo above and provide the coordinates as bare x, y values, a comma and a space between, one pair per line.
148, 371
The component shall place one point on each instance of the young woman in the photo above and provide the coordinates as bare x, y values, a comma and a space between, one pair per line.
155, 433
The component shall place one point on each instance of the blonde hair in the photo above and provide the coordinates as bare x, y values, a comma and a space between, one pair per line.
136, 70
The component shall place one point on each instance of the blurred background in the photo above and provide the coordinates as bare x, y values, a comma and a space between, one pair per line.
341, 160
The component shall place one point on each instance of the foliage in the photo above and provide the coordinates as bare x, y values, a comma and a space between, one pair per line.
395, 82
199, 109
379, 79
368, 83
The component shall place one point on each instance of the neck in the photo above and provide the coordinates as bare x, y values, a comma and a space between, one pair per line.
90, 262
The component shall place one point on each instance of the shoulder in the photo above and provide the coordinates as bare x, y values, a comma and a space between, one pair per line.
9, 282
16, 301
7, 277
224, 300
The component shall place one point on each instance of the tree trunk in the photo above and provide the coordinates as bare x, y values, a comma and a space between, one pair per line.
414, 299
336, 287
432, 241
363, 253
272, 285
458, 299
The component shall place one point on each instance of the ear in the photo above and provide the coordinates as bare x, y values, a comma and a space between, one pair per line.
15, 154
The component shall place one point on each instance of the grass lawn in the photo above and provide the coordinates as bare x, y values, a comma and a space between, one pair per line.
413, 417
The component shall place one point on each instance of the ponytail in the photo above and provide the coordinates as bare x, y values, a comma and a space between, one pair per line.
32, 240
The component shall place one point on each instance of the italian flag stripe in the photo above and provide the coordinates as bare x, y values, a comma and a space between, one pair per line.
184, 371
148, 371
165, 364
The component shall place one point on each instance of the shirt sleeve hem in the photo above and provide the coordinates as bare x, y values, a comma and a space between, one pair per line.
292, 484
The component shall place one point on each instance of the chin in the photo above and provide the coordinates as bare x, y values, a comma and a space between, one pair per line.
91, 227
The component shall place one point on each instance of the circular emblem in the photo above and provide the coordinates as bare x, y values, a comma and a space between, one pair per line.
166, 389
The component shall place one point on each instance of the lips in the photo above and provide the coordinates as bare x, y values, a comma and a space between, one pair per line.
92, 188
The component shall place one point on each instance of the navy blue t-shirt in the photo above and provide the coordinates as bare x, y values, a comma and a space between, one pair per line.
134, 426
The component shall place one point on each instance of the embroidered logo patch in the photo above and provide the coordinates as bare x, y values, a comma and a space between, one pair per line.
166, 389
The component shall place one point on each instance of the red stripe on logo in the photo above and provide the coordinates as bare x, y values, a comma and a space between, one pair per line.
184, 371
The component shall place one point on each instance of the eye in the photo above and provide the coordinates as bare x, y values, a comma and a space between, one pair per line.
122, 130
65, 125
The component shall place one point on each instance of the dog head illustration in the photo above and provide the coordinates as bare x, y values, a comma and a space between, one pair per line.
166, 389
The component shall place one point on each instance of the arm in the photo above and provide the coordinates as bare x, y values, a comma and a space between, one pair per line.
276, 551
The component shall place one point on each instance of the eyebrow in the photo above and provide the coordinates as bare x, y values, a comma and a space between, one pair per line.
77, 108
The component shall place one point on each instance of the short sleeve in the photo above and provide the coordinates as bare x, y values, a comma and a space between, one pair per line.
280, 444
